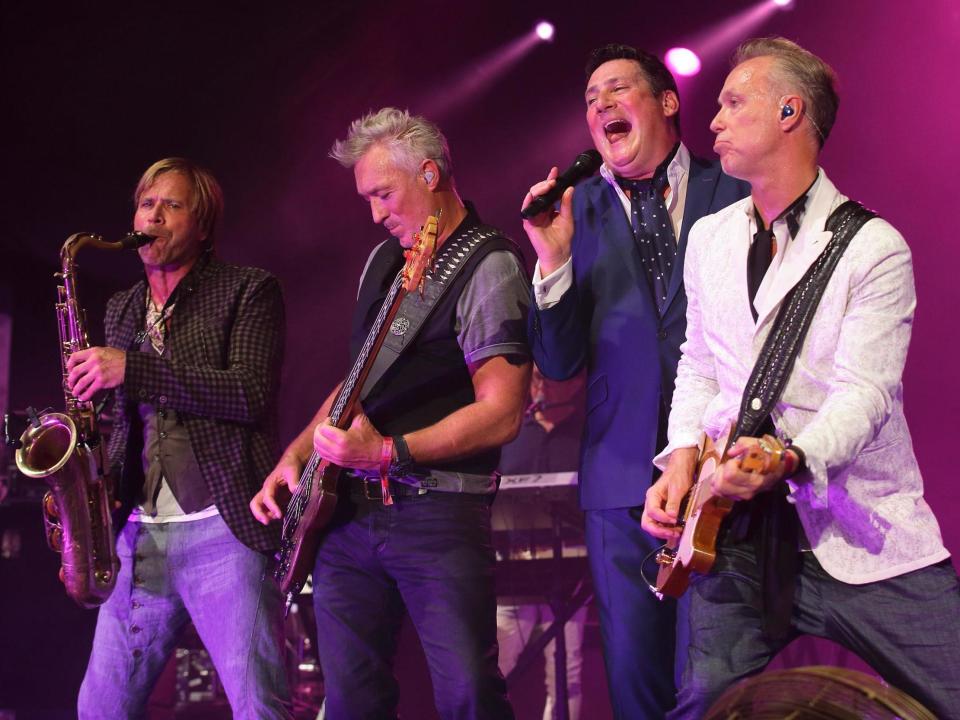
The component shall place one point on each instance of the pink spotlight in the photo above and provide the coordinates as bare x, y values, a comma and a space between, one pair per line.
544, 31
783, 3
683, 62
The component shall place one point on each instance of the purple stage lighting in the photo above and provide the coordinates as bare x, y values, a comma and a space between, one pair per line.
719, 40
683, 61
782, 3
544, 31
467, 83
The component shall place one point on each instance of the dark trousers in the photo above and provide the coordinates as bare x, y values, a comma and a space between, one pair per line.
431, 555
638, 630
906, 628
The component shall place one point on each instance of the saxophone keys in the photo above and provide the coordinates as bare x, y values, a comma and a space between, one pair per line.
50, 507
55, 540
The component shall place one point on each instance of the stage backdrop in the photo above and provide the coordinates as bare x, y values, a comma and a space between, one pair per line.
259, 92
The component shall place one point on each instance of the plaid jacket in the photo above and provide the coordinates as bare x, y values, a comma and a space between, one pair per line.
220, 372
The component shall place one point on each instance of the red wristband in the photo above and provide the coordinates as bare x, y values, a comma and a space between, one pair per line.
386, 458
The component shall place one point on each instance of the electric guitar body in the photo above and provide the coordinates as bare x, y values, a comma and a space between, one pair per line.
702, 512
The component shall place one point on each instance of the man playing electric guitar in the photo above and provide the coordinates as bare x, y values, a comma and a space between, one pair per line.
837, 540
432, 425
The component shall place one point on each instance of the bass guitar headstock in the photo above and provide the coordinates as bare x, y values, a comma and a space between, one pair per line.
419, 258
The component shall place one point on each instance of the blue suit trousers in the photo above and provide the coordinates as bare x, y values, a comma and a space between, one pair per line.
639, 631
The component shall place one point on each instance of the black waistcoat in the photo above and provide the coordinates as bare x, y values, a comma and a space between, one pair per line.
430, 379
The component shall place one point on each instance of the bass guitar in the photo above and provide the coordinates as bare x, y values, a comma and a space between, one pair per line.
702, 511
313, 502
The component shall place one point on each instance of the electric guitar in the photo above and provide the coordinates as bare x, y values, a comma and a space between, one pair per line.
312, 504
702, 512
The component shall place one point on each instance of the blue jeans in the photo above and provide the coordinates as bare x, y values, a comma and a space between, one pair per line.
431, 555
639, 631
906, 628
170, 574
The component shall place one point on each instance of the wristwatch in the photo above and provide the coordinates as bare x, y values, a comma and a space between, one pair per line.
801, 458
404, 462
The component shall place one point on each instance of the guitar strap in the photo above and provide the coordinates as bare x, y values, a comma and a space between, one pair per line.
416, 308
778, 531
783, 344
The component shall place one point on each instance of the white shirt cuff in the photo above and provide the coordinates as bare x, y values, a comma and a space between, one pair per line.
548, 291
684, 441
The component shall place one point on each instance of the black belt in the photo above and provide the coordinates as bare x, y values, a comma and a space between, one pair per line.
370, 489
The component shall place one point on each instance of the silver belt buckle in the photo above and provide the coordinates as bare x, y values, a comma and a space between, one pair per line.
366, 490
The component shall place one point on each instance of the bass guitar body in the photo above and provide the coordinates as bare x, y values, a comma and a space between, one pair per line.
312, 504
300, 549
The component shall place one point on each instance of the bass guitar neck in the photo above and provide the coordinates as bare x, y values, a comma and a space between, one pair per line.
313, 502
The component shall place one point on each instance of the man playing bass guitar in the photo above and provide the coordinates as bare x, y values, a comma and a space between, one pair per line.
411, 528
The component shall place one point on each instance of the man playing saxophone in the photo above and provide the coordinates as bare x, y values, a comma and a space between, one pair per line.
193, 355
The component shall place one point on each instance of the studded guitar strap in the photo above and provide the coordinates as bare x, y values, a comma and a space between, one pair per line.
780, 350
415, 309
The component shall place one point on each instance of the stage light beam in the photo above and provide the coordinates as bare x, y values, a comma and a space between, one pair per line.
544, 30
719, 40
683, 61
467, 83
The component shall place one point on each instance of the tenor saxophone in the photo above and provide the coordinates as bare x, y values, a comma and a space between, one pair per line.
65, 449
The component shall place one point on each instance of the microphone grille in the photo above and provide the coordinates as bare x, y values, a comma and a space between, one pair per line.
590, 160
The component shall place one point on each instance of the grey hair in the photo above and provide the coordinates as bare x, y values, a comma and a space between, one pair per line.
410, 138
804, 73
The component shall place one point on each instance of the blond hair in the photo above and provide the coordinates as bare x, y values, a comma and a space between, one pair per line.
206, 196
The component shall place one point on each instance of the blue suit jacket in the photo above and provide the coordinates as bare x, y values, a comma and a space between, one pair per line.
608, 322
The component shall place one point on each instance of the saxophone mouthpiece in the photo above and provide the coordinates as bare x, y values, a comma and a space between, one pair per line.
135, 240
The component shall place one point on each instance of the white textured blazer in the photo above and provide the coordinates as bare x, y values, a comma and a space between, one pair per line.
861, 499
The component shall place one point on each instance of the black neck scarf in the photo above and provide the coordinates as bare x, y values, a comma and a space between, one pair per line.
653, 228
762, 249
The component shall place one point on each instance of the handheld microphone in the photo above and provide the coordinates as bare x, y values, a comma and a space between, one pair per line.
584, 166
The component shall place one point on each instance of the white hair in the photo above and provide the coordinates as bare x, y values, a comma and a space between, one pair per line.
411, 139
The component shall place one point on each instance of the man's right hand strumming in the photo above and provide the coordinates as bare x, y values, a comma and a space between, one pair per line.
264, 505
662, 506
550, 232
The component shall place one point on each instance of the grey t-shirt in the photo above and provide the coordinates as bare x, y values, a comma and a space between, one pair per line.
492, 309
491, 321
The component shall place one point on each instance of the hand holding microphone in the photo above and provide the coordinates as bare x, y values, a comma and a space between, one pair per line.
584, 166
551, 231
